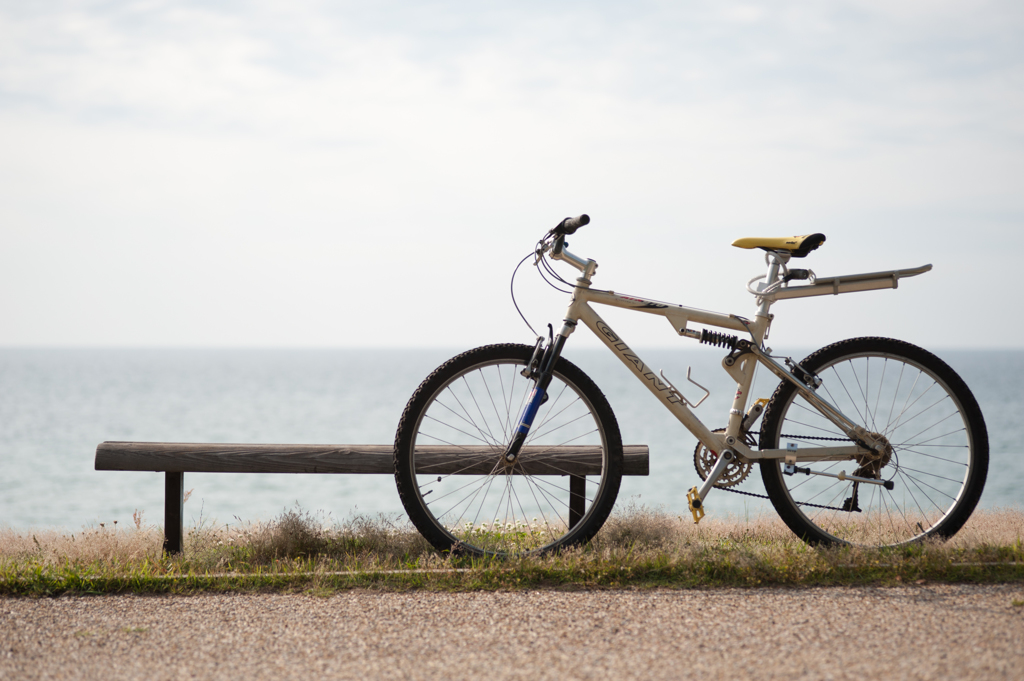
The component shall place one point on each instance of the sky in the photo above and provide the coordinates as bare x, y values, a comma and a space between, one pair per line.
351, 174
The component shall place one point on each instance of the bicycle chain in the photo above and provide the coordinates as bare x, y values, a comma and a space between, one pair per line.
798, 503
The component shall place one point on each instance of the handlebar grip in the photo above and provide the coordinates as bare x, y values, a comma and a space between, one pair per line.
570, 225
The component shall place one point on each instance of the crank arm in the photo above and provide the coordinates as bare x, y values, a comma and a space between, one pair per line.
695, 496
792, 469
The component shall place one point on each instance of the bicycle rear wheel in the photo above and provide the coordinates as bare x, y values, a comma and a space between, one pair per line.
449, 457
937, 459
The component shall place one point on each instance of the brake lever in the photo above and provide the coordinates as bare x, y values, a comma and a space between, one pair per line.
557, 245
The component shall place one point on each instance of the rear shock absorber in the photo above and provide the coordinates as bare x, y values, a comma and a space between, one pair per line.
721, 340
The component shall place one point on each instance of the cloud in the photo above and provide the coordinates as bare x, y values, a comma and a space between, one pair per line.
336, 144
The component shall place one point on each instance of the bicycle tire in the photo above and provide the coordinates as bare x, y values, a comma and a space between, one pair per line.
480, 506
939, 447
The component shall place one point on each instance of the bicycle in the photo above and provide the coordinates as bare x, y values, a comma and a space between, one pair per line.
538, 455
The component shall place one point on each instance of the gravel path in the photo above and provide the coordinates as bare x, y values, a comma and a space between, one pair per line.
925, 632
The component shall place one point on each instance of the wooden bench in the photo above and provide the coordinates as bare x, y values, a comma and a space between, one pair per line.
177, 458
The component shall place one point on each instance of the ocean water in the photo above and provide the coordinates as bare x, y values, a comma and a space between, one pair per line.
56, 405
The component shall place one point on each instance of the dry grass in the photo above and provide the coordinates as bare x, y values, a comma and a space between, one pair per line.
298, 535
642, 528
102, 545
1001, 527
638, 546
639, 526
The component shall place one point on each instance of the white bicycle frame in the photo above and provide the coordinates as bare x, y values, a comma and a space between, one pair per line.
740, 364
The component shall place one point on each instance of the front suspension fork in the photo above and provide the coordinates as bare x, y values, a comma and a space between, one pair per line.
542, 376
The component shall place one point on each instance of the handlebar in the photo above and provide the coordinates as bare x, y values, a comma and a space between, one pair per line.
570, 225
554, 243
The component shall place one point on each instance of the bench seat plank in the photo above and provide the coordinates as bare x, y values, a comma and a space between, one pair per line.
186, 457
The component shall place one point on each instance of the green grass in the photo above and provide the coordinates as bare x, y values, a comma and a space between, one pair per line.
637, 548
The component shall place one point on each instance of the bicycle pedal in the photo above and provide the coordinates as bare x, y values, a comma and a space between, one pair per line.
696, 505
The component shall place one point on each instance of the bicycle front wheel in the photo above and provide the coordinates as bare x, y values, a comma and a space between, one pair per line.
449, 456
936, 455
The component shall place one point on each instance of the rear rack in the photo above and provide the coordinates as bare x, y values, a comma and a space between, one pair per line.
850, 283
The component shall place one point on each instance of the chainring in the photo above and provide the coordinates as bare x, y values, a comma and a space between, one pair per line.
704, 460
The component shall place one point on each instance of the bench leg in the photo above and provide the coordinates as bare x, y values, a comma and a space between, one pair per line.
174, 502
577, 498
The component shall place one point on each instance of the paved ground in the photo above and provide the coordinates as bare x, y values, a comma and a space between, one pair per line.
924, 632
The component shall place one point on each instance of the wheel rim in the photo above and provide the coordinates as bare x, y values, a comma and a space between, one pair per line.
929, 464
484, 506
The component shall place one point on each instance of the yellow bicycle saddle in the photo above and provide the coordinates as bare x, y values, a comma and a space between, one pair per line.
798, 246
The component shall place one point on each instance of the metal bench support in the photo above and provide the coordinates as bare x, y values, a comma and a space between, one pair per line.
174, 505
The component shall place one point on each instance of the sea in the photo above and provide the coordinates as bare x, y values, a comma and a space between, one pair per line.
57, 405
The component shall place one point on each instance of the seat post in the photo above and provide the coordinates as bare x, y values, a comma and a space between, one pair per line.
775, 260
